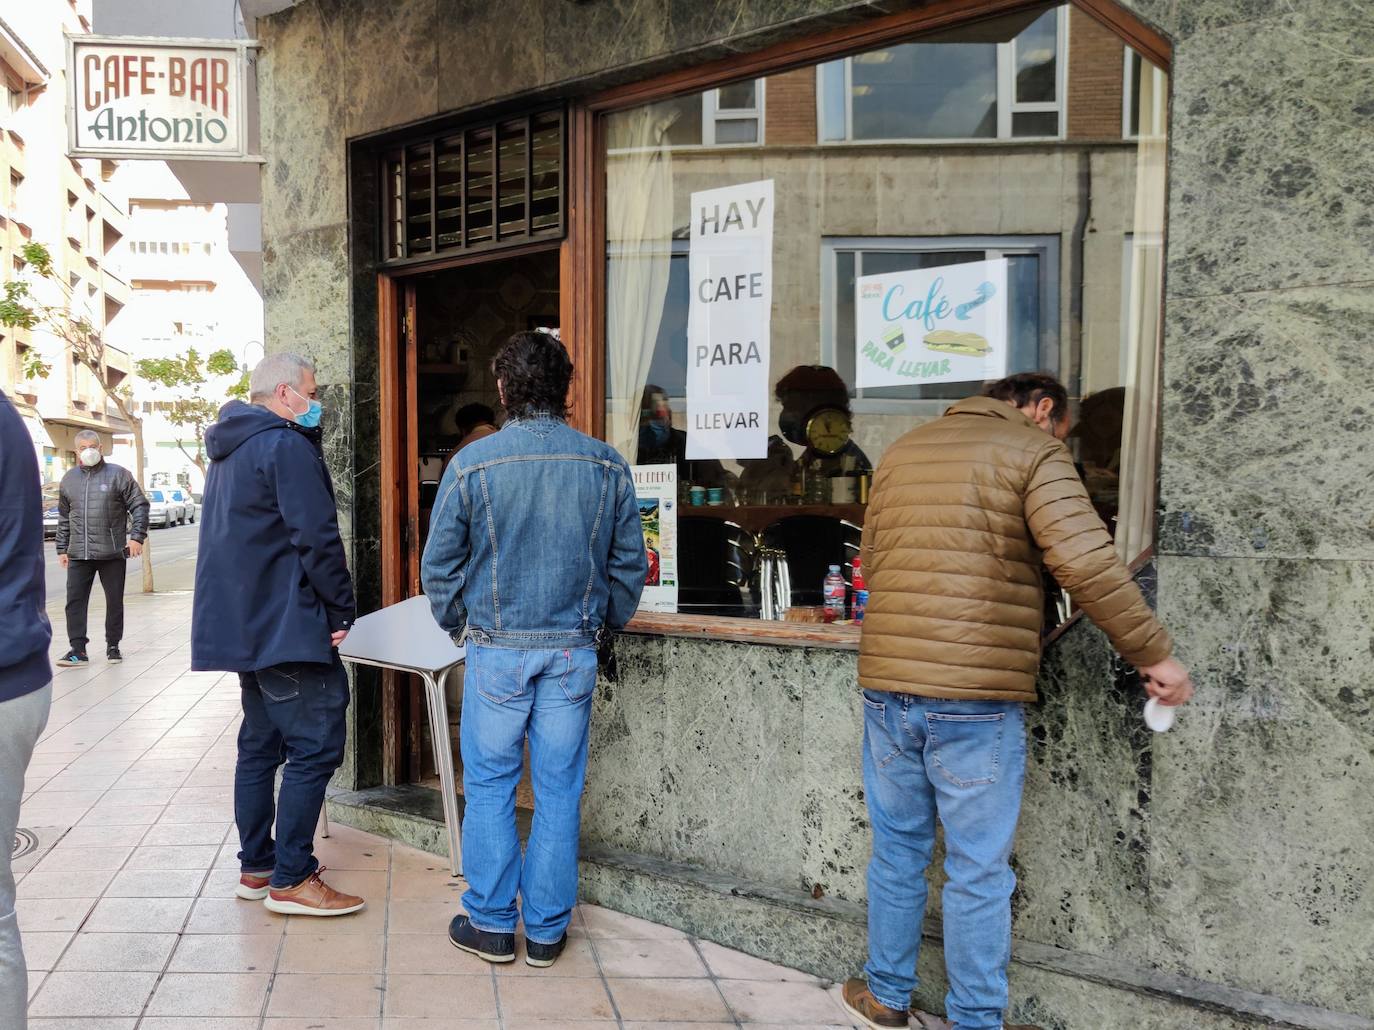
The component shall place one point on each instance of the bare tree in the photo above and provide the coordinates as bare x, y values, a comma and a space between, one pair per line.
185, 374
22, 308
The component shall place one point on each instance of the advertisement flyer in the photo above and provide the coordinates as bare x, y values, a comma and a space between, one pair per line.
656, 491
933, 325
731, 272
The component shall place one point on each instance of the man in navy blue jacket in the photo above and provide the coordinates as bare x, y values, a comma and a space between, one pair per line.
25, 675
273, 600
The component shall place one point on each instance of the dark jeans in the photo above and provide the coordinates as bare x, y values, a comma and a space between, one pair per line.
80, 575
292, 713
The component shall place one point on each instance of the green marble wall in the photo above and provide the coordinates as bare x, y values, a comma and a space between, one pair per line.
1234, 850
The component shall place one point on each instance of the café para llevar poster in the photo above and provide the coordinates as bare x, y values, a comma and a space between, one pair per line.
931, 325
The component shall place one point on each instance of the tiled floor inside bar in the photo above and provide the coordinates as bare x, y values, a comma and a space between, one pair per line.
130, 923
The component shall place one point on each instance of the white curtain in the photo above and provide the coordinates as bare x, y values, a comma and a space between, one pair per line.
1140, 427
639, 229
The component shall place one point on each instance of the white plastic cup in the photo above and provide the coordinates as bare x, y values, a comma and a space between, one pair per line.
1159, 717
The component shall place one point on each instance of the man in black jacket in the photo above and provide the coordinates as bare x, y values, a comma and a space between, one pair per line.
25, 675
273, 600
96, 503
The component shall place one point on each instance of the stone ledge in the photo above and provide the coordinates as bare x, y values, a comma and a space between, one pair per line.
826, 936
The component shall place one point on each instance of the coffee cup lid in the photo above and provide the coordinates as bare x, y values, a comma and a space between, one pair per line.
1157, 716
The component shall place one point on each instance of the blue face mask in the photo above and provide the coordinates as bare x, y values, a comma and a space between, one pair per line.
310, 418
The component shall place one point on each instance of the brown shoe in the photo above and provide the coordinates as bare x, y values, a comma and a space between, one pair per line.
253, 886
313, 897
868, 1010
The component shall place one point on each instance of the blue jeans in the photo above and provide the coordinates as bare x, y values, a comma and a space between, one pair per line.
292, 713
963, 762
510, 694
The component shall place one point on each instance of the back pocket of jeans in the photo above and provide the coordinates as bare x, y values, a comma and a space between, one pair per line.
280, 683
579, 675
498, 673
967, 749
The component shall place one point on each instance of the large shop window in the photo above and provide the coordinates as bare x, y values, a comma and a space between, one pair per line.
778, 314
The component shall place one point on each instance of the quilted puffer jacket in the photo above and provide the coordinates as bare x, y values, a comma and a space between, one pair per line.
963, 512
95, 507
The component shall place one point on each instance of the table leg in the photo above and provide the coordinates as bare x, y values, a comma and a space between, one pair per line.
443, 761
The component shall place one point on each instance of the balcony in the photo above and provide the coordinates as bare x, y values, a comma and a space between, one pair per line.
116, 289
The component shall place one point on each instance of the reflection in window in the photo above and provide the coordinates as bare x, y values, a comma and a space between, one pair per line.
947, 90
1079, 227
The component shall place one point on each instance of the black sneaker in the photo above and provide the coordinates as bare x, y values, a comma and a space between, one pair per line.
541, 956
113, 656
74, 658
490, 947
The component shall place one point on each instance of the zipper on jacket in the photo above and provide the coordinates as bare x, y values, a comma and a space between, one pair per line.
86, 514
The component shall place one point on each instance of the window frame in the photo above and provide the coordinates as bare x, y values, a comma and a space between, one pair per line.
1159, 112
1007, 104
1047, 247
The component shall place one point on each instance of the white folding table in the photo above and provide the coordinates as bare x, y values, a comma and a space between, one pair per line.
405, 637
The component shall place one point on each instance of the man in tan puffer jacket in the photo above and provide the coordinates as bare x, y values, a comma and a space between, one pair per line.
963, 513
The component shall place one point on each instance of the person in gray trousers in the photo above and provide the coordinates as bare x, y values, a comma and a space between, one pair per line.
25, 677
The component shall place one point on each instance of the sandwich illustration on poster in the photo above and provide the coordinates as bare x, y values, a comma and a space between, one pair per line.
931, 325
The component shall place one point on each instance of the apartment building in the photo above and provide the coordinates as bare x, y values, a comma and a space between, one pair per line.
75, 209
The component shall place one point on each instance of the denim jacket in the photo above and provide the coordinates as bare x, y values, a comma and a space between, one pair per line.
535, 540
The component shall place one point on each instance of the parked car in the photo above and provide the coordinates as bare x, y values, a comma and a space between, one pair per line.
164, 509
50, 497
187, 501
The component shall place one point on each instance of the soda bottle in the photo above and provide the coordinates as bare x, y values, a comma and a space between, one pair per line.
833, 593
860, 592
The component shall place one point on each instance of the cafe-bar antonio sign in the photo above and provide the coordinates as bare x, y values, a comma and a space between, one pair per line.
132, 97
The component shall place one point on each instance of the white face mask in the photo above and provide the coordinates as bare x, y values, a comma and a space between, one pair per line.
90, 457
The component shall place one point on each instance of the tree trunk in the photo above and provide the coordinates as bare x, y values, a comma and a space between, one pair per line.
137, 425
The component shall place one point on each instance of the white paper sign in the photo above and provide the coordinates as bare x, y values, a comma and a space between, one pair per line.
934, 325
731, 271
156, 98
656, 491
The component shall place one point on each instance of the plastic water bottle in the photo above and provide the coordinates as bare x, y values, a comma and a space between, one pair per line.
833, 593
860, 592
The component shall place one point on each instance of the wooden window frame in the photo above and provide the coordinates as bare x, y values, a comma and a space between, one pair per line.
583, 255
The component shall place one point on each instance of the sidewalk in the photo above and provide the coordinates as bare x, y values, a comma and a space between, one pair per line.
129, 920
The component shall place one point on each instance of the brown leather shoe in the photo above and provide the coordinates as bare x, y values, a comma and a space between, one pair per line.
868, 1010
312, 897
253, 886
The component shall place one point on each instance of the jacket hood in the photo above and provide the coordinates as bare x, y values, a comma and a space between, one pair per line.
239, 422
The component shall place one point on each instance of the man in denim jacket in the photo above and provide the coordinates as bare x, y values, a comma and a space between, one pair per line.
535, 553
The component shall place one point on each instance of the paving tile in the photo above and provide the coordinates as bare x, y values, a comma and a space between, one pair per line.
52, 914
197, 1023
164, 834
313, 995
103, 836
42, 948
559, 1024
371, 919
226, 953
118, 953
651, 1000
156, 883
648, 958
192, 814
62, 859
210, 994
93, 994
138, 796
729, 964
432, 886
760, 1001
602, 923
422, 916
563, 998
297, 1023
432, 953
63, 1023
139, 915
333, 953
233, 915
577, 960
123, 815
182, 856
70, 884
440, 997
678, 1026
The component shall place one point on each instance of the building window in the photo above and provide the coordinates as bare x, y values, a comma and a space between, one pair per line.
949, 91
838, 374
1145, 96
727, 116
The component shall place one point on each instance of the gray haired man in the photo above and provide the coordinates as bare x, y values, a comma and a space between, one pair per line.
97, 503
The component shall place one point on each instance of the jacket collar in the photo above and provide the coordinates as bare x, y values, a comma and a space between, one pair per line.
990, 407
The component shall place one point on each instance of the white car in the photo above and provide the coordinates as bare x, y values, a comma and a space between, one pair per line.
164, 509
184, 498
